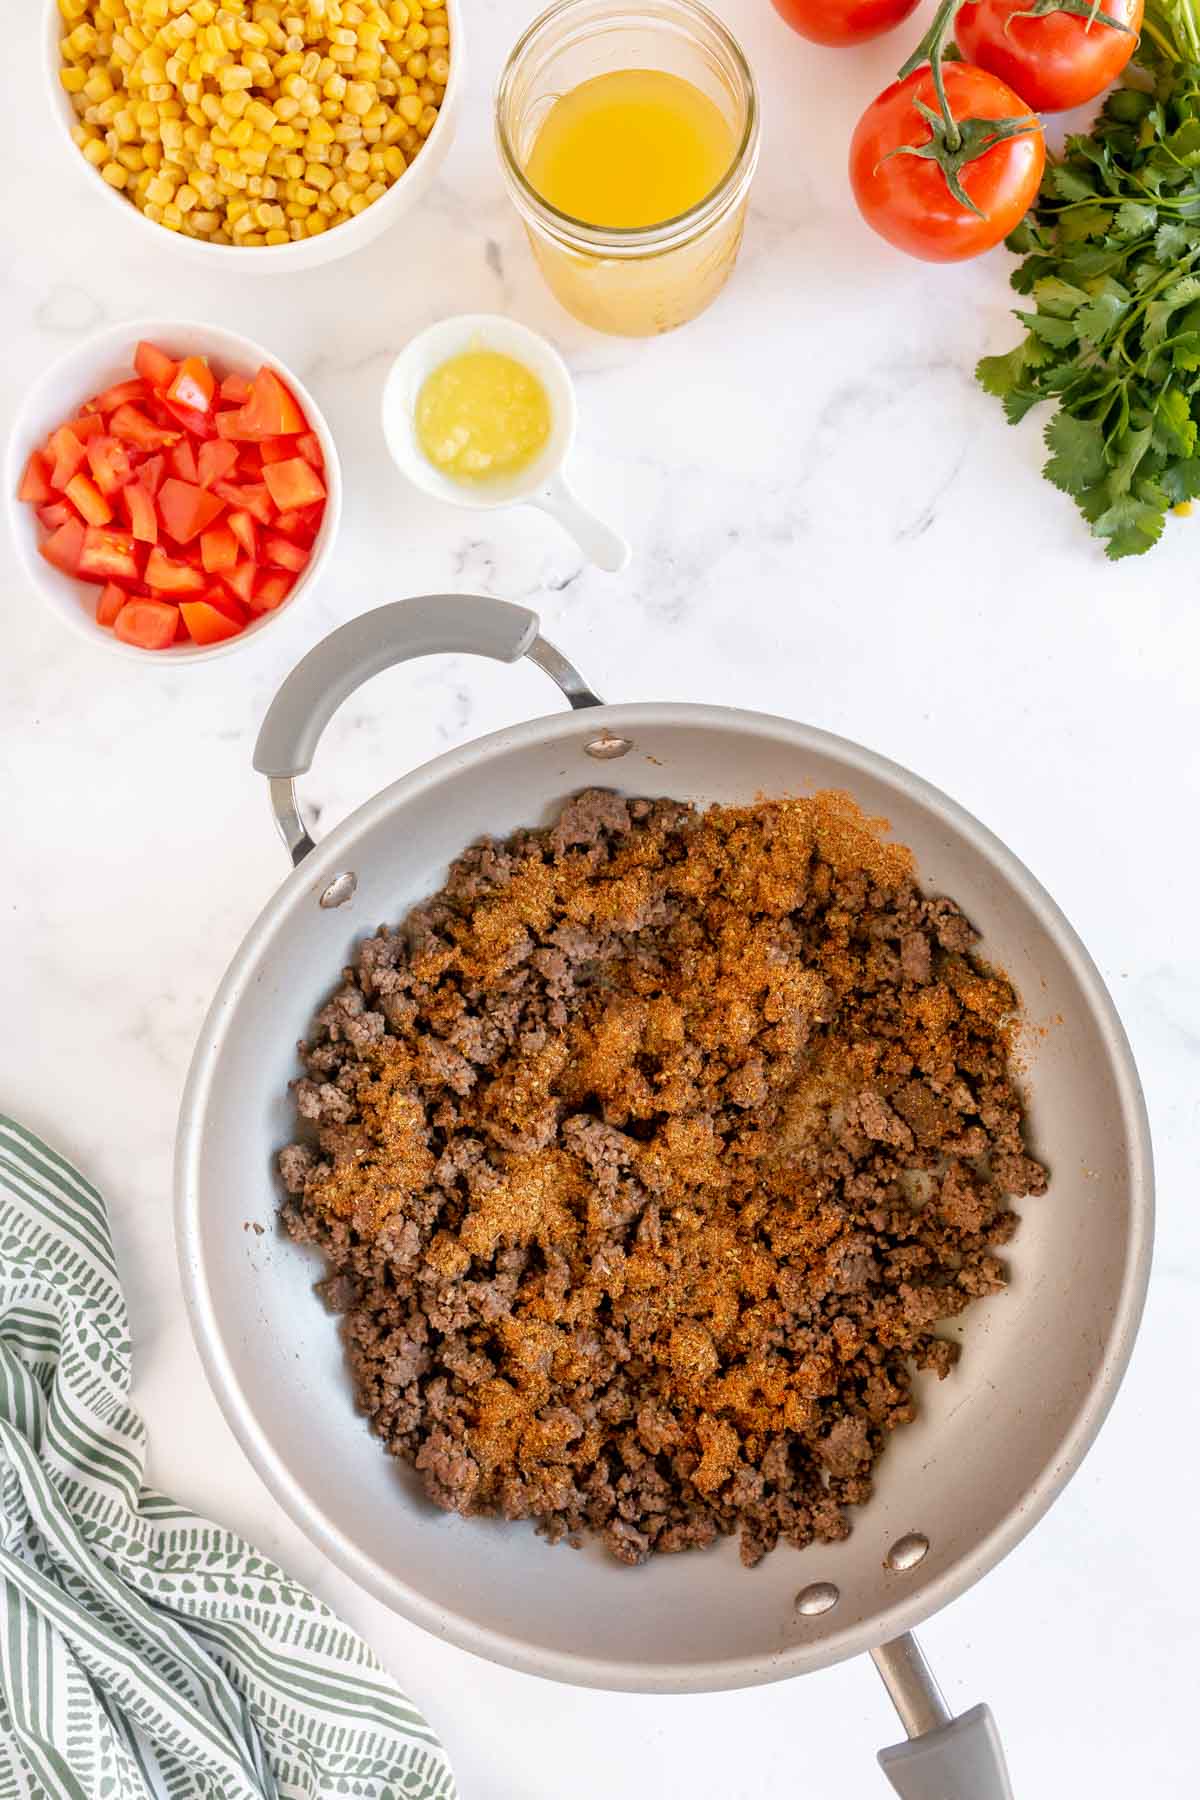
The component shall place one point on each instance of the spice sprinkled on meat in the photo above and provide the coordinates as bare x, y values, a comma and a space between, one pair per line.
647, 1157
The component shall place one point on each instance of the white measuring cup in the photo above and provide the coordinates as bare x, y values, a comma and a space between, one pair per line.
542, 483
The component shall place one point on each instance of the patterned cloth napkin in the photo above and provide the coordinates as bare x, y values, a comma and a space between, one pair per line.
144, 1652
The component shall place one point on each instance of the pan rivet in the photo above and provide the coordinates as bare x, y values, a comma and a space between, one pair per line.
907, 1551
340, 889
817, 1598
606, 746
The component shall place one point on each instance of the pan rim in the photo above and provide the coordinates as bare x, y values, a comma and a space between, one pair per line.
630, 1675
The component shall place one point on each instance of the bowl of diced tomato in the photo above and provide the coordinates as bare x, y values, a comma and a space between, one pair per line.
172, 488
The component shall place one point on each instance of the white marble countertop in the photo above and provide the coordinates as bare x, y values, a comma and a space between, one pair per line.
830, 521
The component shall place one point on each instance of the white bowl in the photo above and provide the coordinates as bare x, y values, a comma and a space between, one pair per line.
265, 259
90, 367
542, 483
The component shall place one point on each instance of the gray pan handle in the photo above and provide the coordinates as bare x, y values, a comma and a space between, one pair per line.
945, 1758
433, 625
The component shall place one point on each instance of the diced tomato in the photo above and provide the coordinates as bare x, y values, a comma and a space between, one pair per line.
252, 498
235, 390
198, 424
309, 446
67, 452
242, 527
87, 426
292, 484
150, 624
215, 461
150, 473
143, 520
181, 458
194, 385
83, 493
270, 590
302, 526
154, 365
167, 576
56, 514
109, 463
125, 393
63, 547
108, 555
130, 423
241, 579
35, 482
277, 450
112, 599
218, 549
284, 554
233, 609
186, 510
207, 623
269, 412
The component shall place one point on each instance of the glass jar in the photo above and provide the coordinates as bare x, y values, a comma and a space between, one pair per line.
645, 279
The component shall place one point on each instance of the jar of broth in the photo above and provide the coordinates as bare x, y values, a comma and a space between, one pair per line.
628, 136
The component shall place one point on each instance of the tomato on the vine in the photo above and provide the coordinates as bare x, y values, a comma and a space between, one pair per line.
838, 22
1052, 59
905, 194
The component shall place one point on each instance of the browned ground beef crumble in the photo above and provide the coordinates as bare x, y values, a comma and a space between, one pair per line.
645, 1158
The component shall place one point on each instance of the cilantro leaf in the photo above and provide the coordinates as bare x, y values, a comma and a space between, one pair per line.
1076, 462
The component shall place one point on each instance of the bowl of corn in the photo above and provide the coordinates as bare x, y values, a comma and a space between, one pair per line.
299, 129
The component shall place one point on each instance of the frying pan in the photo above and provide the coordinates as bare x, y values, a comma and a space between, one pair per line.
992, 1445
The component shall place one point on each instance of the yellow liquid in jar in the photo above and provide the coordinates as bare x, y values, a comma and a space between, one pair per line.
482, 415
632, 148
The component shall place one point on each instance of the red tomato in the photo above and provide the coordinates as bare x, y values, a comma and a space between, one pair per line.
277, 450
67, 453
196, 423
252, 498
154, 365
843, 21
57, 514
63, 547
147, 623
150, 474
293, 484
86, 497
112, 599
1053, 61
241, 581
235, 389
269, 412
181, 460
169, 577
130, 423
270, 590
143, 520
194, 385
218, 549
906, 199
109, 463
309, 446
187, 510
35, 482
215, 461
125, 393
108, 555
242, 527
282, 553
208, 624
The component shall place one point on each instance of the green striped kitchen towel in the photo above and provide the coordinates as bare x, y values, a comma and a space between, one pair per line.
143, 1651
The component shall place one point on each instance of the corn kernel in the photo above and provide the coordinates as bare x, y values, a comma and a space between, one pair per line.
72, 79
393, 162
114, 174
131, 157
234, 75
358, 161
96, 152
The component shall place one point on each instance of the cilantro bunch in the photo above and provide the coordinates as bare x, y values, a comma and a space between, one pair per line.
1112, 265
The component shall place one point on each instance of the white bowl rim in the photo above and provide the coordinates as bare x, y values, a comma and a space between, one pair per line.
436, 344
268, 258
43, 578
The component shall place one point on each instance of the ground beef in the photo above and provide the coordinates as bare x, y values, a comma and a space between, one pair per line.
648, 1156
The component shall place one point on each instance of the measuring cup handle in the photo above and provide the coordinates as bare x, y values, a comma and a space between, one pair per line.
945, 1758
434, 624
598, 541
